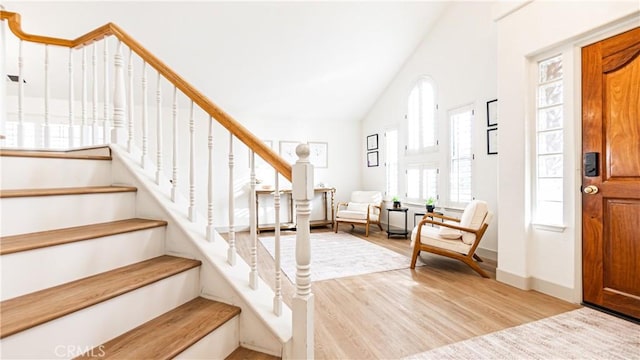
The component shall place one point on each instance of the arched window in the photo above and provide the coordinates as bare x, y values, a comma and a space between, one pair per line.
421, 129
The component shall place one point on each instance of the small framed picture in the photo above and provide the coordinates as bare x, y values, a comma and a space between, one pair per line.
492, 113
372, 159
319, 154
288, 151
372, 142
492, 141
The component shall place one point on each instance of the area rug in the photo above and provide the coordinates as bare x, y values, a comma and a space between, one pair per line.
577, 334
337, 255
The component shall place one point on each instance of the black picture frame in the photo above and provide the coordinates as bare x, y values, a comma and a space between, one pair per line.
372, 159
492, 141
492, 113
372, 142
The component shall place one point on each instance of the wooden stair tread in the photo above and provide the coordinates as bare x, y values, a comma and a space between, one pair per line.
11, 193
23, 242
169, 334
36, 308
248, 354
52, 154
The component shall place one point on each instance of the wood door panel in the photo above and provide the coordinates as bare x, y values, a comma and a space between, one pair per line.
621, 247
611, 217
622, 126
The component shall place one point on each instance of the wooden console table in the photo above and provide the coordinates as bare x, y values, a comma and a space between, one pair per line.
290, 223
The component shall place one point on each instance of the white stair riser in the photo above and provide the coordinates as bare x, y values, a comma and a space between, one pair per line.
69, 336
29, 173
31, 214
219, 344
38, 269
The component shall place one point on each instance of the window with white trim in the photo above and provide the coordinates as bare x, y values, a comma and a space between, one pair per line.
391, 161
549, 142
422, 182
460, 155
421, 119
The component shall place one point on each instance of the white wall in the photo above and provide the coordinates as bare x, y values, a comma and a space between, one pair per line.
532, 257
459, 55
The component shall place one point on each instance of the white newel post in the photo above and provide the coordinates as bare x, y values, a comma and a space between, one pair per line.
303, 303
118, 133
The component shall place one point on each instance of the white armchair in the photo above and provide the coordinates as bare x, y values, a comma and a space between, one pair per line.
363, 209
454, 238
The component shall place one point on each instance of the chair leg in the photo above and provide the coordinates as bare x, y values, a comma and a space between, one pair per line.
380, 226
478, 258
366, 230
474, 265
416, 252
336, 227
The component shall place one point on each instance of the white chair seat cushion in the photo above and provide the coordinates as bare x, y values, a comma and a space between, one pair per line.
472, 218
431, 236
351, 215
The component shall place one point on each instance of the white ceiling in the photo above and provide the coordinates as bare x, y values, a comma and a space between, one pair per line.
293, 61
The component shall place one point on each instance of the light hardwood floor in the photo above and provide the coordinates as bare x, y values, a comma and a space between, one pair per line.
389, 315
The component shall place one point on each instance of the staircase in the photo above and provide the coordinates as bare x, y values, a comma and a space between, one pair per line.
83, 276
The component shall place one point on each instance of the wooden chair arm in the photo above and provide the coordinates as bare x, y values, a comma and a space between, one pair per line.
434, 215
452, 226
341, 204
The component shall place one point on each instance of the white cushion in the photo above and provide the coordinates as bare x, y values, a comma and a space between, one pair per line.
369, 197
472, 218
348, 214
449, 233
431, 236
361, 207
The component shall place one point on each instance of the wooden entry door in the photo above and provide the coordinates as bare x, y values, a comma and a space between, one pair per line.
611, 192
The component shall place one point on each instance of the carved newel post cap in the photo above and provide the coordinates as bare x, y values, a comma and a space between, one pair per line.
302, 150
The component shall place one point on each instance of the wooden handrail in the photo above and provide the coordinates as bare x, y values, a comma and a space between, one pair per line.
237, 129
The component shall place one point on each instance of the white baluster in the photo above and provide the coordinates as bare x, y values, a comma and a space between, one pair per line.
277, 299
83, 126
210, 230
158, 130
231, 252
47, 129
303, 300
145, 116
106, 126
253, 226
20, 97
130, 103
71, 97
119, 99
94, 63
192, 167
174, 177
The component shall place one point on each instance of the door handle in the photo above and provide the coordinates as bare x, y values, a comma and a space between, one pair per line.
591, 190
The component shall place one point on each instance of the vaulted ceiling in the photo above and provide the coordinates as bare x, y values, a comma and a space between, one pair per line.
265, 61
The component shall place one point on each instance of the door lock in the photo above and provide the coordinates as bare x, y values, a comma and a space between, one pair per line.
591, 190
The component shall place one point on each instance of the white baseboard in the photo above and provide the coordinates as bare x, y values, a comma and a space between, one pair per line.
543, 286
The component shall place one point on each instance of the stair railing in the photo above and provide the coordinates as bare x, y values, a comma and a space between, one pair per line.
125, 113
